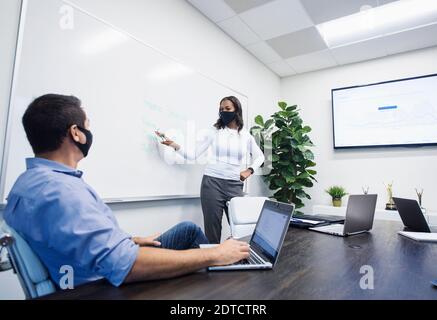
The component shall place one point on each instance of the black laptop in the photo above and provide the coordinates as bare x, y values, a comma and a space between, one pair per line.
412, 215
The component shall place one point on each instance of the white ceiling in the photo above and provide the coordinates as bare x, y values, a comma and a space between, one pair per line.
282, 34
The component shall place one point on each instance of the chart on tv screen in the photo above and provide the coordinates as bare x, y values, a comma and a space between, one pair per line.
393, 113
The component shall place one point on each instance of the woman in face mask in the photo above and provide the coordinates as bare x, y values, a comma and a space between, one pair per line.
229, 146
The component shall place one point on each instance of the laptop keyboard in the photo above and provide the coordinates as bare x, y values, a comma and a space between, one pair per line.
253, 259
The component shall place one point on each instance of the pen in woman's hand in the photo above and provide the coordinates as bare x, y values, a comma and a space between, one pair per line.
166, 141
161, 135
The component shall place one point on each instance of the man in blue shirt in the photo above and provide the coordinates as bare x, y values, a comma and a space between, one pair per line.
66, 223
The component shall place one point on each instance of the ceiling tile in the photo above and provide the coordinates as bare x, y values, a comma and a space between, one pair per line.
264, 52
277, 18
298, 43
312, 61
411, 40
238, 31
240, 6
281, 68
274, 30
216, 10
325, 10
361, 51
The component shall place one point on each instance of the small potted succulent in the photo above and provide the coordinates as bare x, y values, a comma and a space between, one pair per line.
336, 192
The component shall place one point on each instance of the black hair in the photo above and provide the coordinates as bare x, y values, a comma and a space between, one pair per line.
48, 118
238, 113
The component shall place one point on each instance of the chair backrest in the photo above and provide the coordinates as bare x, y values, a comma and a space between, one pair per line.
32, 274
243, 215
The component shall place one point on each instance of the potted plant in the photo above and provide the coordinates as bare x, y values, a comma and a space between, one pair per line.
336, 193
289, 166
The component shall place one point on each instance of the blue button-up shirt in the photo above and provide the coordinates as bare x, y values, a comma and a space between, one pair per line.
66, 223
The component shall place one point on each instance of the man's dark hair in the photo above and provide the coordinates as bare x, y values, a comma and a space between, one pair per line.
48, 118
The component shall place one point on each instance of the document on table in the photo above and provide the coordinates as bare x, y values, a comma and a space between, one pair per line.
420, 236
313, 222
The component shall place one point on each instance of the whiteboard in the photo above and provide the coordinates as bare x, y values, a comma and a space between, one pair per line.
128, 89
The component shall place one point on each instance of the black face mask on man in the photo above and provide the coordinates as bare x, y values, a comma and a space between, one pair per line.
227, 117
85, 147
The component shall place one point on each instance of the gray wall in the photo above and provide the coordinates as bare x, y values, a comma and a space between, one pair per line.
9, 17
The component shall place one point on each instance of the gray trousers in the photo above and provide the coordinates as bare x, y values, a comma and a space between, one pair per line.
214, 193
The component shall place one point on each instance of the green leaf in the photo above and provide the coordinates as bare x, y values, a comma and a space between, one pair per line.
308, 144
294, 143
296, 186
254, 131
268, 123
312, 172
285, 114
308, 154
303, 175
307, 183
297, 157
297, 122
302, 148
311, 164
291, 108
273, 186
278, 193
282, 105
280, 182
301, 193
259, 120
290, 179
298, 203
280, 123
291, 170
306, 129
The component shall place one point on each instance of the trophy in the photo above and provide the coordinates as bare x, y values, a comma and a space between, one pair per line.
419, 197
365, 189
390, 205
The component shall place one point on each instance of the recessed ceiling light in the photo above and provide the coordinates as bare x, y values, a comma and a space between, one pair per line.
375, 22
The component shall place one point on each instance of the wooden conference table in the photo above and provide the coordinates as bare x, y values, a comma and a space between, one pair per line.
311, 266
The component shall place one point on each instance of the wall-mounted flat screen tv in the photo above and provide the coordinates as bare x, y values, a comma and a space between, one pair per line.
393, 113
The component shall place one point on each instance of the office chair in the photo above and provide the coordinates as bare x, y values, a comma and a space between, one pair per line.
243, 215
32, 274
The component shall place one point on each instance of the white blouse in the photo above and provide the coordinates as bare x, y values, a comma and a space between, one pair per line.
228, 152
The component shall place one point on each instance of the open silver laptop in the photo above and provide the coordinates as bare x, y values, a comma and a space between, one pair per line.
359, 217
267, 239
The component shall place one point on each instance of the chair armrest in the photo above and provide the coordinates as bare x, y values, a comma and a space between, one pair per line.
6, 240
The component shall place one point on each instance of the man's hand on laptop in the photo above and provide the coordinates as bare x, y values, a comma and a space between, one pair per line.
231, 251
147, 241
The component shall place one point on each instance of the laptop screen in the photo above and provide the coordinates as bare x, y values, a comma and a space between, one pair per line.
270, 230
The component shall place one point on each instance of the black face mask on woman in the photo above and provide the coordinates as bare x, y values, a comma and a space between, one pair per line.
227, 117
85, 147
